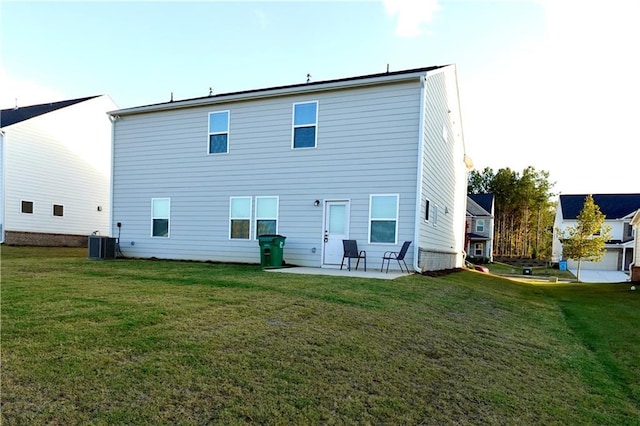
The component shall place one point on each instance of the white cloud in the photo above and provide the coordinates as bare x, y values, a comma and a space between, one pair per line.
411, 15
23, 92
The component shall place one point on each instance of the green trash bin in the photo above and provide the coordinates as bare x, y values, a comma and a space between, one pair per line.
271, 250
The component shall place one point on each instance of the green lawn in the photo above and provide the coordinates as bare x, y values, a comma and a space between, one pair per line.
155, 342
538, 271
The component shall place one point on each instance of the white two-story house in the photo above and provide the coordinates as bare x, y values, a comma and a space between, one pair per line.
55, 172
378, 158
618, 210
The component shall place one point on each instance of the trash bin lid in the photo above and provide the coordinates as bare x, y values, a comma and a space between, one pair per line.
271, 237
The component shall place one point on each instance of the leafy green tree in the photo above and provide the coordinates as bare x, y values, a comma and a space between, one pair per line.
480, 182
523, 211
586, 240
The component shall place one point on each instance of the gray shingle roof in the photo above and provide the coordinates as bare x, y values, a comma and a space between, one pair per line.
16, 115
291, 86
484, 201
613, 206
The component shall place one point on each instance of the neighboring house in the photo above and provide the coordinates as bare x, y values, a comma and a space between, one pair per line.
635, 265
619, 210
377, 158
480, 212
55, 172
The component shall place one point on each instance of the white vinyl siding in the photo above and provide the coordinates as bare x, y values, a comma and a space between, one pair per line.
352, 160
62, 157
444, 171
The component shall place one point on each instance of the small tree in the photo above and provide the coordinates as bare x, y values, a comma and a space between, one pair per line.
586, 240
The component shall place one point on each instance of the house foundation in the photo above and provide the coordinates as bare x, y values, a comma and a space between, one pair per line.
17, 238
434, 260
635, 273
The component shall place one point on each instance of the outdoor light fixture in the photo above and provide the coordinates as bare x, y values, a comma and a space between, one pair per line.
99, 208
316, 203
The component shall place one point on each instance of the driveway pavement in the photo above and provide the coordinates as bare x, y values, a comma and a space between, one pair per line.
593, 276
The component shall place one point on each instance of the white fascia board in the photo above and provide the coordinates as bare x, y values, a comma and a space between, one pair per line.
269, 93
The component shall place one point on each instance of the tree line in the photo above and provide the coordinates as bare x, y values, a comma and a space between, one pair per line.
524, 213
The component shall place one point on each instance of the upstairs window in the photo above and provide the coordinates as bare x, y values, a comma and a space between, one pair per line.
27, 207
160, 212
383, 219
305, 123
628, 230
480, 225
240, 218
266, 216
58, 210
219, 132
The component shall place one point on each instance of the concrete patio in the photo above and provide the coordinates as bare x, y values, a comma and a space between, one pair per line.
373, 273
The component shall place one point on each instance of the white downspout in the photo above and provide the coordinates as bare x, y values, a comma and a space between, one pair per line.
113, 119
416, 237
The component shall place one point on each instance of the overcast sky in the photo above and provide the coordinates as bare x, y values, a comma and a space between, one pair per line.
550, 84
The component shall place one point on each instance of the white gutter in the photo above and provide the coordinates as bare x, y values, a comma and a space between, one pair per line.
277, 91
418, 218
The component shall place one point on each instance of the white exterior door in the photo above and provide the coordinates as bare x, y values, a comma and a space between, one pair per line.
336, 229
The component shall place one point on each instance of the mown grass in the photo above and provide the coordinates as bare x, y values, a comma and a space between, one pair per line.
539, 271
155, 342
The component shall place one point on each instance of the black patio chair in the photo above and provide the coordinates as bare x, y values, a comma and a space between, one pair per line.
351, 252
394, 255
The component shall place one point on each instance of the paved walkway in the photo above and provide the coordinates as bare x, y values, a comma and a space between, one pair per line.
594, 276
360, 273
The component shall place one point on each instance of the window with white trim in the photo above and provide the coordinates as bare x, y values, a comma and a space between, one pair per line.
478, 249
480, 225
266, 216
58, 210
305, 125
426, 209
383, 218
240, 218
26, 207
219, 132
160, 213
